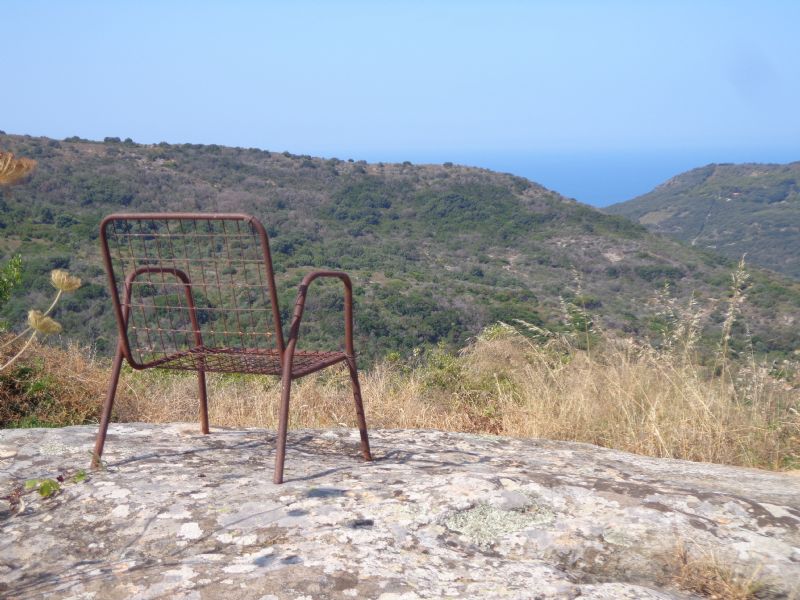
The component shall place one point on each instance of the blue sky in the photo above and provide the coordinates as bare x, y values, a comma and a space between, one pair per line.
598, 100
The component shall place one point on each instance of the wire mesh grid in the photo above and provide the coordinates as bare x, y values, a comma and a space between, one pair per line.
196, 292
247, 360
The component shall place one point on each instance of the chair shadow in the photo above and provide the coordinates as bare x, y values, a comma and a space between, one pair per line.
308, 445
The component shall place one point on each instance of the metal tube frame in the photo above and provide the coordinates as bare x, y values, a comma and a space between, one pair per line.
202, 356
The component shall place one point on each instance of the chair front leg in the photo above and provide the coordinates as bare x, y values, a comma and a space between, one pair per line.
283, 416
362, 420
105, 416
201, 384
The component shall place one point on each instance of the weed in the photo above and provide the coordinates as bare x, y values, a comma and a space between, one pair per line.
46, 487
39, 322
704, 573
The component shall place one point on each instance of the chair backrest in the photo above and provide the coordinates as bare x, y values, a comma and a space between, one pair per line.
186, 282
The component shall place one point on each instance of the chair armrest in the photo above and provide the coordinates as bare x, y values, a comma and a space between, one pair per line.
124, 313
299, 307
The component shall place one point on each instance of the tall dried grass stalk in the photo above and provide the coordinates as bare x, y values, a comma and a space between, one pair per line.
13, 170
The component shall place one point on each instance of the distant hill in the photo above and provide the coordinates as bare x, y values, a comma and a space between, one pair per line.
437, 251
732, 209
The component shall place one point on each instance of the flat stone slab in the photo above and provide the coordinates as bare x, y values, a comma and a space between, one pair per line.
181, 515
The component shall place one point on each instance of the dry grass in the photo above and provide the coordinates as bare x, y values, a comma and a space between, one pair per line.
631, 398
318, 401
51, 387
622, 395
626, 396
703, 573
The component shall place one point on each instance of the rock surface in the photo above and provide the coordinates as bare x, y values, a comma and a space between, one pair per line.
181, 515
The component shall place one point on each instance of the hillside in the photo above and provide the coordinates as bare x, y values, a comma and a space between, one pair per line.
731, 208
437, 251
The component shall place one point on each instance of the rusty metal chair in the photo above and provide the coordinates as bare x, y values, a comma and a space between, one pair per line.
196, 292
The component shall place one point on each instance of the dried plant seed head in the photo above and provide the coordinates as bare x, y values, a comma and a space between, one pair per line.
42, 324
13, 170
63, 281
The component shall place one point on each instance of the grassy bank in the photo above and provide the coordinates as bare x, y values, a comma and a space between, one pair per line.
616, 393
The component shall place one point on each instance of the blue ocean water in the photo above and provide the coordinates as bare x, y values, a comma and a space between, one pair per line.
599, 178
596, 179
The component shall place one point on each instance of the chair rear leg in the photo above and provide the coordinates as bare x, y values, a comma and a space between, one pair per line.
362, 421
105, 416
201, 384
283, 425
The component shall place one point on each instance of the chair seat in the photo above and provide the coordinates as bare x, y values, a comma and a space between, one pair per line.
238, 360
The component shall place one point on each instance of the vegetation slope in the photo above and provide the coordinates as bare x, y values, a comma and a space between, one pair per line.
437, 252
730, 208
